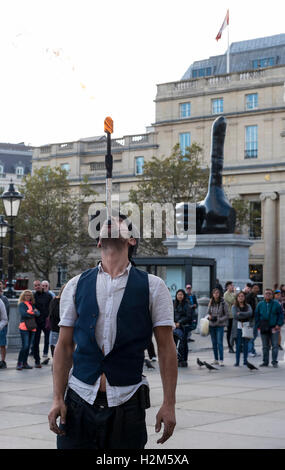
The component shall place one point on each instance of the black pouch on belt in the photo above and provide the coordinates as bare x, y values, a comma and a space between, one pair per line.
144, 400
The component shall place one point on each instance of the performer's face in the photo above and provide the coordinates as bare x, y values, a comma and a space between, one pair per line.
115, 235
117, 229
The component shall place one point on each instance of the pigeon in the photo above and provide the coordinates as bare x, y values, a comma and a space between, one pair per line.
209, 366
148, 364
200, 363
251, 366
45, 362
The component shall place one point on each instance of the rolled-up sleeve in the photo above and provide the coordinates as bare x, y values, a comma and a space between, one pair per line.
67, 309
160, 302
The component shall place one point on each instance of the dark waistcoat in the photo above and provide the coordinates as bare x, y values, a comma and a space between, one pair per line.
124, 364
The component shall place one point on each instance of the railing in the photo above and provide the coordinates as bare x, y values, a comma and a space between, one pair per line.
65, 146
45, 149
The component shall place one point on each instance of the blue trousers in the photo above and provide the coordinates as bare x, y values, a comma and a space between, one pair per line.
217, 337
27, 338
267, 339
244, 342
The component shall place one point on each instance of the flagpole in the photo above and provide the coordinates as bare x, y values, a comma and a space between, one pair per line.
228, 51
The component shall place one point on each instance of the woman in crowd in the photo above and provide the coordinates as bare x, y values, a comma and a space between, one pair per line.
242, 312
27, 326
218, 315
54, 320
183, 321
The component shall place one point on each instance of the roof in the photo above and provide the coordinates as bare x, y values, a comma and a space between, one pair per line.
242, 55
15, 155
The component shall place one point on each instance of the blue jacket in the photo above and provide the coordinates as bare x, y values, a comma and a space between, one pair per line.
124, 364
273, 313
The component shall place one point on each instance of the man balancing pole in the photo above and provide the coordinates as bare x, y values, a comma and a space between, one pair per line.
109, 312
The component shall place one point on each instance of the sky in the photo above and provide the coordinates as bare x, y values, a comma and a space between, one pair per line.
67, 64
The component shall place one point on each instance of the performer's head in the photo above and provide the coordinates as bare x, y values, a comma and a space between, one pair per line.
119, 233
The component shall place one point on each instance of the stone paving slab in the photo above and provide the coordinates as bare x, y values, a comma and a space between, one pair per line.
230, 408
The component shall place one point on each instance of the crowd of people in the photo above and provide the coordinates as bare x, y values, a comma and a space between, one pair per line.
241, 313
39, 313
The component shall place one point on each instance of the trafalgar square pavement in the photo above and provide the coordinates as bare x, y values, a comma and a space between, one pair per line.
228, 408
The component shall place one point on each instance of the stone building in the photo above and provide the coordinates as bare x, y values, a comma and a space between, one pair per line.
15, 162
251, 97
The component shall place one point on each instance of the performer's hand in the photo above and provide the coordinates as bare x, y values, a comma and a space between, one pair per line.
58, 409
166, 415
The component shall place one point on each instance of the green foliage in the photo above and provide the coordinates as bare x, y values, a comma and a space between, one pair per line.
50, 227
174, 179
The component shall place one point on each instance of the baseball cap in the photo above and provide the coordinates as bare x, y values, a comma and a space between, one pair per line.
188, 285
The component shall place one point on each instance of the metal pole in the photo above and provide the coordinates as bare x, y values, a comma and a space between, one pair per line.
10, 292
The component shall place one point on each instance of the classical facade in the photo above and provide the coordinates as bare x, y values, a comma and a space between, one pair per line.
251, 97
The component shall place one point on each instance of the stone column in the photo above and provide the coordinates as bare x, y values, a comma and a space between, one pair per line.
282, 237
270, 268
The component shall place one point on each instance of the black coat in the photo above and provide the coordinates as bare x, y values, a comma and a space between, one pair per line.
183, 313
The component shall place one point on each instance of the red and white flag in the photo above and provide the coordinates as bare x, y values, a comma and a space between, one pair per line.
224, 25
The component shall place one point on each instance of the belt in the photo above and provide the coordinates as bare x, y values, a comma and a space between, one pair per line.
101, 398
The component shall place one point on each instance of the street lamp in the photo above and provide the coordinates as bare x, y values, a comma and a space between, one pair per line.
3, 232
11, 200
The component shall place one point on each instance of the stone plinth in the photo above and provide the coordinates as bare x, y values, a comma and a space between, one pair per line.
231, 252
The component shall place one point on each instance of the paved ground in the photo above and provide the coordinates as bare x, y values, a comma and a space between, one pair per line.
224, 409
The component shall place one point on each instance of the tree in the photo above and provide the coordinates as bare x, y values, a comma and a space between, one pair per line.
174, 179
50, 227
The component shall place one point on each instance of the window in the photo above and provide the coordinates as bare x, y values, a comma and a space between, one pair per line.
255, 219
204, 72
256, 275
267, 62
251, 142
251, 101
218, 106
19, 171
185, 110
184, 141
97, 166
66, 167
139, 162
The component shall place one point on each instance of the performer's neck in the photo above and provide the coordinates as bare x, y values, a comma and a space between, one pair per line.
114, 262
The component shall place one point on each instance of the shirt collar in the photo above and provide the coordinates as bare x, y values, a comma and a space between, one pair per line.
126, 270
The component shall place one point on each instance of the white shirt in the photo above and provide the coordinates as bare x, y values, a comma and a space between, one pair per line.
109, 293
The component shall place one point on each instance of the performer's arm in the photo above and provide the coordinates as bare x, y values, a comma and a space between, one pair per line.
62, 363
168, 371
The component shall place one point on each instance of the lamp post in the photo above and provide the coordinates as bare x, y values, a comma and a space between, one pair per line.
3, 232
11, 200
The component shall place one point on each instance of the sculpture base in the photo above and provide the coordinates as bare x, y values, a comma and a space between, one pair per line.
231, 252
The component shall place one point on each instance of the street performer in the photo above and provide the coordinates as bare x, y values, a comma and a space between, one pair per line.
107, 317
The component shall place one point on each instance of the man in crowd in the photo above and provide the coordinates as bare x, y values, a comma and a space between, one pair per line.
229, 297
45, 286
109, 312
252, 300
269, 318
194, 306
3, 332
42, 301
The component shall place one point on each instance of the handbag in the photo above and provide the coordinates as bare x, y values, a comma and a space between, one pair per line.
30, 323
204, 326
247, 330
